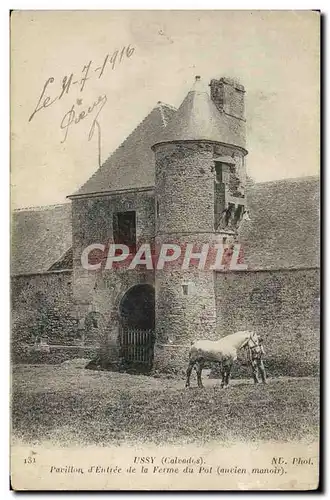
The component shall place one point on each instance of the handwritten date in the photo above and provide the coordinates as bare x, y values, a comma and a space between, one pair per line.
69, 81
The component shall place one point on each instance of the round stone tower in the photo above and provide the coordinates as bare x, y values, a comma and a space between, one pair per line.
199, 169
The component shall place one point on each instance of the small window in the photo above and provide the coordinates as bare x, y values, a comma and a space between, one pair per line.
124, 229
218, 173
157, 208
188, 288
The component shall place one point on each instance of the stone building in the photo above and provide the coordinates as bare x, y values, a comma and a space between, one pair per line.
180, 177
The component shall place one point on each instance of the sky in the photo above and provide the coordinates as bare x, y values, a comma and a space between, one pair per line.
152, 56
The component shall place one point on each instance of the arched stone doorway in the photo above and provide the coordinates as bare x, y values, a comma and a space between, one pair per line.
137, 327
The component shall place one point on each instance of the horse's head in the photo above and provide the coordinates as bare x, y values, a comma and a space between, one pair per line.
251, 340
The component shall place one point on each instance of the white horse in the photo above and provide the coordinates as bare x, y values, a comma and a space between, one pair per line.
223, 351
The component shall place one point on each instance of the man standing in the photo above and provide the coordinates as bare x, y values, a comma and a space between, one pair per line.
256, 353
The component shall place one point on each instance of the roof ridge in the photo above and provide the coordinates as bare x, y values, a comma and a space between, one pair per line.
157, 107
288, 179
40, 208
160, 107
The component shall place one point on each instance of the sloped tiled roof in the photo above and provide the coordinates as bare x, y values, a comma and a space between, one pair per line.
199, 119
284, 231
132, 165
39, 237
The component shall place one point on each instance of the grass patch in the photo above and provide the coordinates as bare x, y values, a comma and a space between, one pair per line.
72, 405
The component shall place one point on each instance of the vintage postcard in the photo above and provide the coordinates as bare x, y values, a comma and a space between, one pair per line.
165, 233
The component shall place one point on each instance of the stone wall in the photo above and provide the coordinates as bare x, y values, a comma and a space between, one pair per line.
103, 289
282, 306
42, 306
92, 218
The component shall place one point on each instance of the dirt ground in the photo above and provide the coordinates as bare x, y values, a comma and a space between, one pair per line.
67, 405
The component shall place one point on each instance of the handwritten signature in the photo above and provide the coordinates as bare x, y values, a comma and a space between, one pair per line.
69, 81
72, 118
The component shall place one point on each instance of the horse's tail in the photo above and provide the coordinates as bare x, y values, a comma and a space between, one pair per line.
192, 352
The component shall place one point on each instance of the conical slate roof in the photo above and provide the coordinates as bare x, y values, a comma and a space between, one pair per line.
198, 118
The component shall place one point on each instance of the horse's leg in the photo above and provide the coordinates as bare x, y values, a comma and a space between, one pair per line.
190, 367
228, 370
262, 371
220, 372
254, 366
223, 375
199, 368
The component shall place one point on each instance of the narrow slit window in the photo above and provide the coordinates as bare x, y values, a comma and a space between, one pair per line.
239, 213
218, 173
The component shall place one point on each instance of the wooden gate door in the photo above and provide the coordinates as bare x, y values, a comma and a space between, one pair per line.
137, 348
